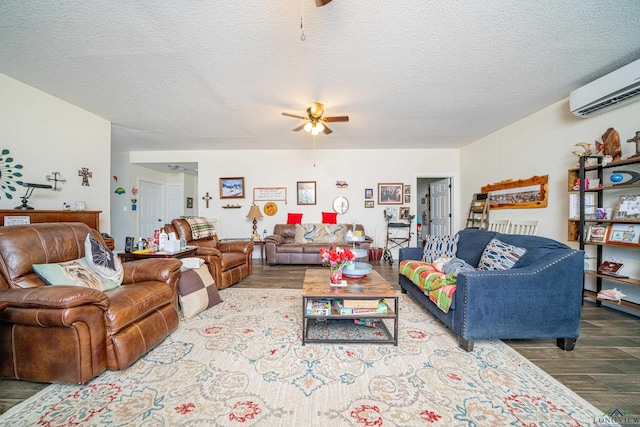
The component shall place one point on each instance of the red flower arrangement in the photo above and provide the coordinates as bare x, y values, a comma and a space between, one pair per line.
336, 258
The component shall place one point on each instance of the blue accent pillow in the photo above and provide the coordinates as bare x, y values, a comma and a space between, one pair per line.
72, 273
498, 255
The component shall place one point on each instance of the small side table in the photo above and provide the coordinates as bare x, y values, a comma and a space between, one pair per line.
189, 252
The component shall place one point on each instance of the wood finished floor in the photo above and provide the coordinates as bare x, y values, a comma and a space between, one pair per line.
604, 368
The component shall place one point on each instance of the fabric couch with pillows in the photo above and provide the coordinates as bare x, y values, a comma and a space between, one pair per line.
72, 309
301, 243
486, 285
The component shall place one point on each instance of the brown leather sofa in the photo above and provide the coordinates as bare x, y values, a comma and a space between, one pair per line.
281, 247
72, 333
228, 262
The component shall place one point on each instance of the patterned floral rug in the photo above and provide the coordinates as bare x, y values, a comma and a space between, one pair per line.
242, 363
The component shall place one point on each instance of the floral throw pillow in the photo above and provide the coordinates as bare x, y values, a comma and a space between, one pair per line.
498, 255
102, 260
439, 246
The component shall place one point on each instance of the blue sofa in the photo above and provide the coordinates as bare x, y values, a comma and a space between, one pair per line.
540, 297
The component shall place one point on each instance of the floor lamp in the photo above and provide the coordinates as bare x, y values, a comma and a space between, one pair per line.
254, 213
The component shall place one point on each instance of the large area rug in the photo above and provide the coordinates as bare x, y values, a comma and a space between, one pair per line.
242, 363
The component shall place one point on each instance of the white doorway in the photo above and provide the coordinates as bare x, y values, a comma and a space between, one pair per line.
440, 220
150, 209
175, 201
433, 206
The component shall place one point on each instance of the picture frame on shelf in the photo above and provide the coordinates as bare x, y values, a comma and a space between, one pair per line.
368, 193
306, 192
368, 203
232, 188
390, 193
589, 205
623, 234
597, 233
628, 207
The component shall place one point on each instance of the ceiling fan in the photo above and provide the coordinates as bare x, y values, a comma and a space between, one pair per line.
315, 123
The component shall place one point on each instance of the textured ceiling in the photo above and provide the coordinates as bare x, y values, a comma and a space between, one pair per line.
199, 74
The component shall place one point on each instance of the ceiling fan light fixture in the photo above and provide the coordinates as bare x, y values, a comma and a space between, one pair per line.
308, 126
319, 126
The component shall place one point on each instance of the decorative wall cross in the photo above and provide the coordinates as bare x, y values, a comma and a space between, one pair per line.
637, 141
206, 198
85, 174
56, 178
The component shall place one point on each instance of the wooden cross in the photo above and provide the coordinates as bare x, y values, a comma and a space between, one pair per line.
206, 198
85, 174
637, 141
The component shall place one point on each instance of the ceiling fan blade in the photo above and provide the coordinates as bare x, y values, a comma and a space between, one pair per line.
316, 110
336, 119
320, 3
326, 130
294, 115
299, 127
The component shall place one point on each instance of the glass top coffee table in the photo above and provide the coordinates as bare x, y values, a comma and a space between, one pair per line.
345, 304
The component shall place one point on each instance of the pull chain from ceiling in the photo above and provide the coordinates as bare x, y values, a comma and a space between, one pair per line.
302, 36
314, 151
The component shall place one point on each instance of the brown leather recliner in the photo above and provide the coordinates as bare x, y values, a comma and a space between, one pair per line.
228, 262
72, 333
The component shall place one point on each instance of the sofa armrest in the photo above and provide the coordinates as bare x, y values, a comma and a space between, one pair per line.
542, 299
161, 270
274, 239
53, 297
243, 246
410, 253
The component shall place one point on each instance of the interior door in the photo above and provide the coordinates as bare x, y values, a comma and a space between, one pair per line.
440, 220
150, 216
175, 201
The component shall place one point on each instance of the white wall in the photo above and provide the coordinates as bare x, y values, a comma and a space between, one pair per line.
272, 168
541, 144
45, 134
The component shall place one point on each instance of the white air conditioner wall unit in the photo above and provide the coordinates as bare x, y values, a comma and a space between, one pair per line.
618, 88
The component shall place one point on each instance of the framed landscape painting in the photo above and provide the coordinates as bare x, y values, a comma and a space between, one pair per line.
390, 194
306, 192
232, 188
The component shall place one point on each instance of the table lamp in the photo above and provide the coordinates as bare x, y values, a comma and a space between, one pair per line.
255, 214
26, 196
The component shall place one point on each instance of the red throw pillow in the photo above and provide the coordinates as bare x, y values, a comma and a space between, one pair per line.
329, 218
294, 218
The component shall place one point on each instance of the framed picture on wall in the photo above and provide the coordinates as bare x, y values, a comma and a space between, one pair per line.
407, 199
306, 192
232, 188
390, 194
407, 189
368, 193
404, 213
189, 202
368, 203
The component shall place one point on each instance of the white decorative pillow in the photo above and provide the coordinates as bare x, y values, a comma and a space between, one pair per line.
197, 291
439, 246
190, 263
102, 260
498, 255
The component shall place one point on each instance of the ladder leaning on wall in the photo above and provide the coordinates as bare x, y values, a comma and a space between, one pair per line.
479, 212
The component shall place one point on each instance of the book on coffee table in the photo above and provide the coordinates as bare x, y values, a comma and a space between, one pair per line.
361, 303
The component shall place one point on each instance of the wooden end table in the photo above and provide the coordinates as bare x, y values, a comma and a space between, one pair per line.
129, 256
373, 287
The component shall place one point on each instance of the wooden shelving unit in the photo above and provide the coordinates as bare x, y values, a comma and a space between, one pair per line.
577, 227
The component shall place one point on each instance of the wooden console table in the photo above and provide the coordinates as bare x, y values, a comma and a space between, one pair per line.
91, 218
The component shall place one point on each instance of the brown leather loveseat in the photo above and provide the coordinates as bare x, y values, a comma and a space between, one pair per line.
282, 248
73, 333
228, 262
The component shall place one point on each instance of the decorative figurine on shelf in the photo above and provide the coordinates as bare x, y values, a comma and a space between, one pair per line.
635, 140
586, 147
610, 145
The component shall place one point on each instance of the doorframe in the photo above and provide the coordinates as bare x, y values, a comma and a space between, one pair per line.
455, 196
